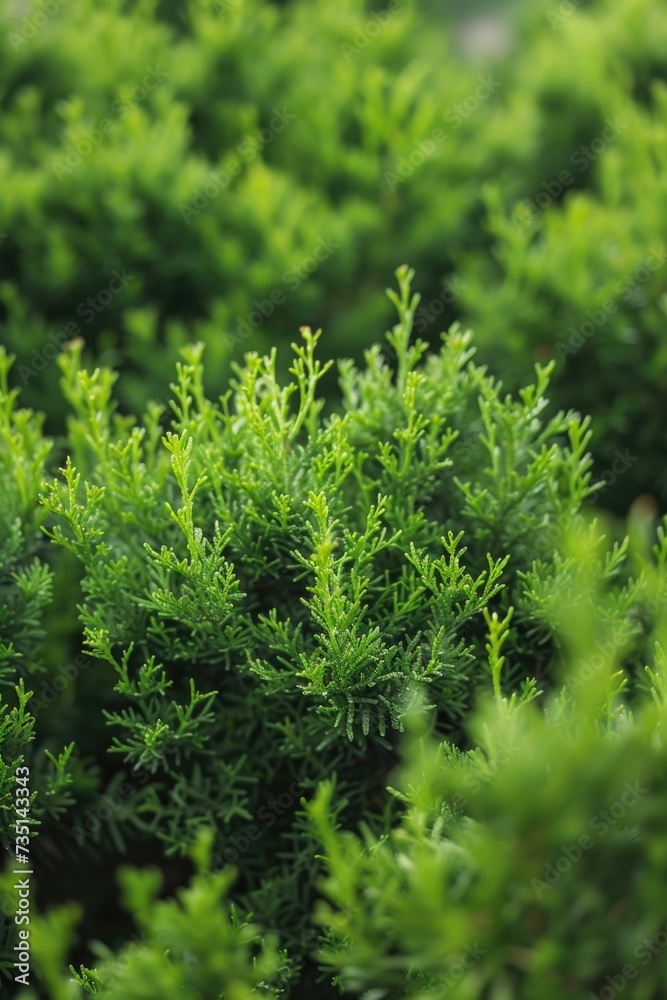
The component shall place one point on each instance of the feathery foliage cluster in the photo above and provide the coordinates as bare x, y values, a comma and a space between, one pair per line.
216, 202
528, 865
25, 595
271, 589
578, 263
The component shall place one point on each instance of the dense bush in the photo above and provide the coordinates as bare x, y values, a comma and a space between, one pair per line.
265, 586
578, 263
529, 866
213, 185
25, 596
225, 620
267, 583
195, 947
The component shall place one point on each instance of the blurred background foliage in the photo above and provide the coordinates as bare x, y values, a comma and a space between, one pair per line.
249, 167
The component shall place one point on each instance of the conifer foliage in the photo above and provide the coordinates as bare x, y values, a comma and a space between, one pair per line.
270, 590
262, 576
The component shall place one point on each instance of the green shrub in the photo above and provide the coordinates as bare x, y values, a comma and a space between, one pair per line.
267, 588
258, 538
265, 584
25, 595
548, 886
529, 866
192, 947
531, 862
578, 263
133, 246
